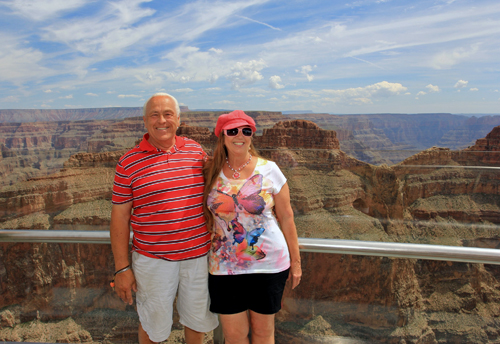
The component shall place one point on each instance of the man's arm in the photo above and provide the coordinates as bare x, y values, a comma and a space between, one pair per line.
120, 237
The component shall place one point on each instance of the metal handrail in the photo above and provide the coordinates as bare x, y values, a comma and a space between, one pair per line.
334, 246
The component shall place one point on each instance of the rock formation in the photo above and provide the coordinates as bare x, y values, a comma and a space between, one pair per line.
297, 134
438, 196
390, 138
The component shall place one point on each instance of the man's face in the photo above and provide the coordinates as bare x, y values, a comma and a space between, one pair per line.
161, 122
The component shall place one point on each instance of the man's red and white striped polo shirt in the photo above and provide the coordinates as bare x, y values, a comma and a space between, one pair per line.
166, 189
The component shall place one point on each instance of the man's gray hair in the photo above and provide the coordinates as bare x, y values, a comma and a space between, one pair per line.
162, 94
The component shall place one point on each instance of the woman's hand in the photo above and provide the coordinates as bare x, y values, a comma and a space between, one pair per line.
295, 273
284, 214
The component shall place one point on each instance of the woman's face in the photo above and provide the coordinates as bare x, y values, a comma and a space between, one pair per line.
239, 144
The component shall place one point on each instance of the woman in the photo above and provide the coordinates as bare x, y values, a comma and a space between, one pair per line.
251, 258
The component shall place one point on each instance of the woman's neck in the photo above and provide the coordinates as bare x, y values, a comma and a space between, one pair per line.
236, 161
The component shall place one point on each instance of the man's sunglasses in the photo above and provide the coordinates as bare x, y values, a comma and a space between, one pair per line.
234, 132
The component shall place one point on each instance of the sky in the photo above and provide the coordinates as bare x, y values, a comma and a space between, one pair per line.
339, 57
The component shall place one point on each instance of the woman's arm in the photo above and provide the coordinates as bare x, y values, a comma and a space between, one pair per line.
284, 213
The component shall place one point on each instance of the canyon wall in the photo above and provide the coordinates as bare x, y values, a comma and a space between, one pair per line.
437, 196
41, 147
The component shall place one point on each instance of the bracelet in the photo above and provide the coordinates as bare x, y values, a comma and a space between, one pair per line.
112, 284
122, 270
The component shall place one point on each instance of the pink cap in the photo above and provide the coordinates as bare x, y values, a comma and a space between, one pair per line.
232, 120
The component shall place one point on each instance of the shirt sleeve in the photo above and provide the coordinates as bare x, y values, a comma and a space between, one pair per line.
277, 177
122, 188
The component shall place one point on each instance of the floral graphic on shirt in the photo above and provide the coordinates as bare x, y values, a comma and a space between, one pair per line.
238, 224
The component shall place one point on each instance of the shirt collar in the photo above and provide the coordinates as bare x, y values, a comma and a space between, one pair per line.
146, 146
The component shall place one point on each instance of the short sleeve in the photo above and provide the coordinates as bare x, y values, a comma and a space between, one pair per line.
277, 177
122, 189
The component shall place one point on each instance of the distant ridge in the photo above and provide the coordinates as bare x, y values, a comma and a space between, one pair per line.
84, 114
294, 112
211, 110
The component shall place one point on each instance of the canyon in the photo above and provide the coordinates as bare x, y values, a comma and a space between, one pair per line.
435, 196
35, 143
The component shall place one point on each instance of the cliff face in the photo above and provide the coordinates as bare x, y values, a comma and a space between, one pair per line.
490, 143
38, 149
461, 185
391, 138
298, 134
433, 197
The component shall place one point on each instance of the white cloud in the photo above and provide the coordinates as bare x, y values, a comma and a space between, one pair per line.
432, 88
248, 90
149, 78
275, 82
41, 10
381, 89
73, 106
91, 94
461, 84
421, 93
104, 34
306, 70
10, 99
128, 96
48, 91
191, 64
447, 59
364, 95
246, 73
259, 22
307, 93
224, 102
183, 90
144, 45
70, 96
20, 63
474, 89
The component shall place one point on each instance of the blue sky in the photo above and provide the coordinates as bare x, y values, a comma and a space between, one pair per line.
357, 56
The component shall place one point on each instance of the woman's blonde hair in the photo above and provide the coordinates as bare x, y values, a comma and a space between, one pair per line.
211, 170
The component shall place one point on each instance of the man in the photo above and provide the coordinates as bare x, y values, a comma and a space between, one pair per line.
161, 181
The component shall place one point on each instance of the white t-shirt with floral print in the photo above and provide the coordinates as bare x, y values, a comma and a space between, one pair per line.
246, 236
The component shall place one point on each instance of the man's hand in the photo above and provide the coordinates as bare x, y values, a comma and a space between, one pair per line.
124, 285
120, 236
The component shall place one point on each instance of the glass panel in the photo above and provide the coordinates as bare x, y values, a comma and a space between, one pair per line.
373, 179
353, 299
60, 293
436, 197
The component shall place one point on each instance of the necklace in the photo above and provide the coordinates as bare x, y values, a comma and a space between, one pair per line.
236, 173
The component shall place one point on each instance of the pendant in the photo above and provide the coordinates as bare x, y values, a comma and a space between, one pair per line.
236, 175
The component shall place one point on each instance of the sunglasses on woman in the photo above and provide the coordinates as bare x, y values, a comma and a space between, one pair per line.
235, 131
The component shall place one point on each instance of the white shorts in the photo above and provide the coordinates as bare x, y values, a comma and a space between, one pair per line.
157, 283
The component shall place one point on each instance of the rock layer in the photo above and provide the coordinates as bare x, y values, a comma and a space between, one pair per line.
437, 196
